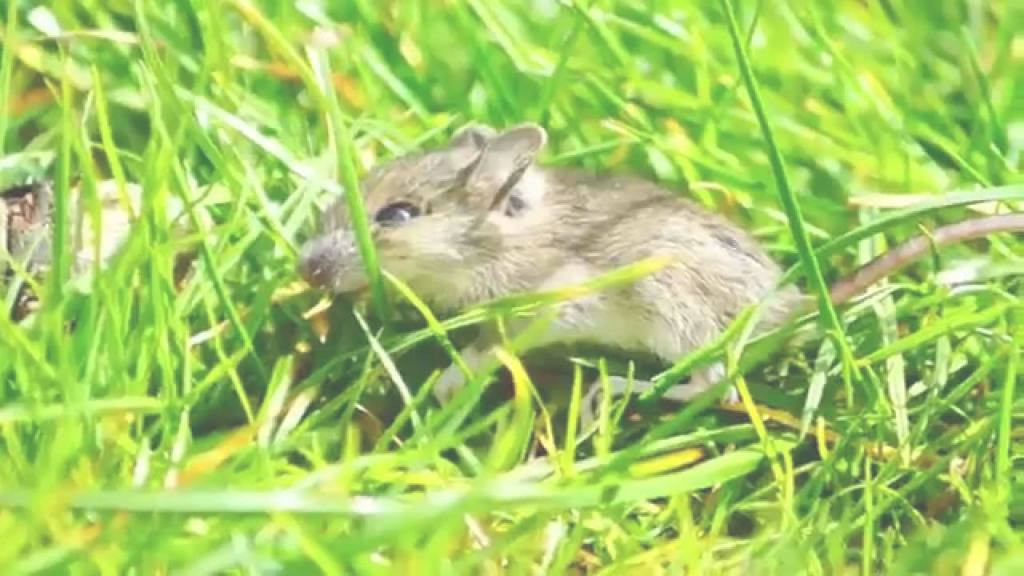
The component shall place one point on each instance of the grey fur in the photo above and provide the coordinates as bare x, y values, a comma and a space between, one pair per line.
568, 227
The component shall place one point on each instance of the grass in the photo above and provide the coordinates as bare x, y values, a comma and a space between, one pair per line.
215, 425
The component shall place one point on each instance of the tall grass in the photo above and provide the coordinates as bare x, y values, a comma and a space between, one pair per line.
226, 422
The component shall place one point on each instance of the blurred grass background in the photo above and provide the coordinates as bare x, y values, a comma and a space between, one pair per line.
207, 426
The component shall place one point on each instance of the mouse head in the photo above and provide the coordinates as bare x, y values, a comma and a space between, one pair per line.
432, 214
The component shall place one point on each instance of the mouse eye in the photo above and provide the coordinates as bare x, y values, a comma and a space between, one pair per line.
514, 205
397, 213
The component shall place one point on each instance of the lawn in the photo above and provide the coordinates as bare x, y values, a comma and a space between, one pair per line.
191, 408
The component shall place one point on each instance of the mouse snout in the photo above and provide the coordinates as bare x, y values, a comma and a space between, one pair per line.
318, 264
331, 263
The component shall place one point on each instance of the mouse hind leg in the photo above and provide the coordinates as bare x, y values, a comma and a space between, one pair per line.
700, 383
648, 316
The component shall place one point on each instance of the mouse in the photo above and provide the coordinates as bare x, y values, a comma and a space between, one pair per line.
480, 218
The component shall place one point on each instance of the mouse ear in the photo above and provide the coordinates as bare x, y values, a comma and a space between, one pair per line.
465, 149
505, 158
472, 135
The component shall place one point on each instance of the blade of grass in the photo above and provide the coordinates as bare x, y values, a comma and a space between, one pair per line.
1004, 455
353, 196
947, 325
319, 84
808, 260
10, 41
392, 371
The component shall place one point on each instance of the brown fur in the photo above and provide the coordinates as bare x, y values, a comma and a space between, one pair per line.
568, 226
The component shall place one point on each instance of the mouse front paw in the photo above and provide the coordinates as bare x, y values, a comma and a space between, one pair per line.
590, 405
701, 382
451, 381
